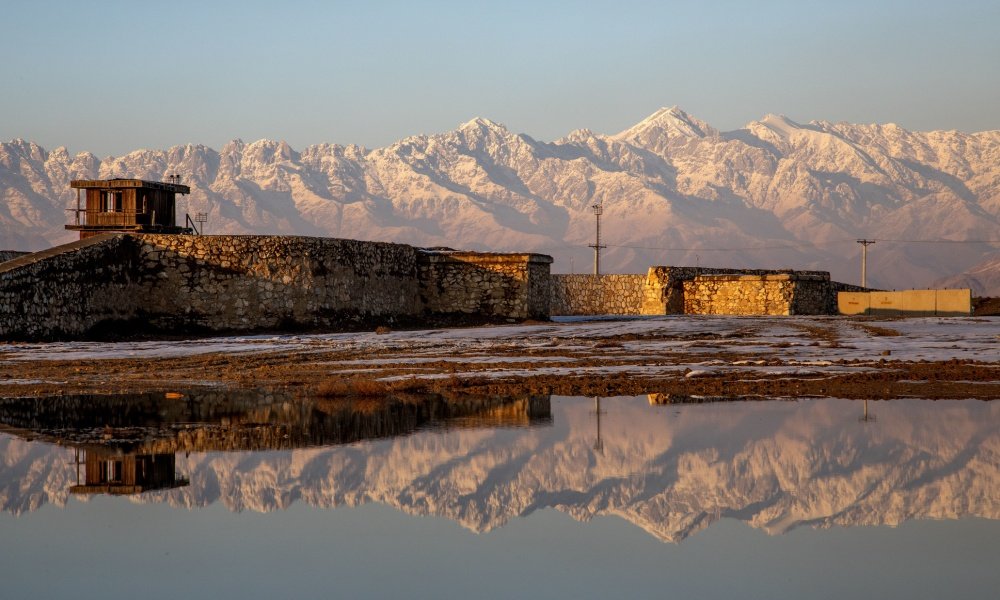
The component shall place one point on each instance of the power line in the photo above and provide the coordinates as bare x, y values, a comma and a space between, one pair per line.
790, 246
733, 248
939, 241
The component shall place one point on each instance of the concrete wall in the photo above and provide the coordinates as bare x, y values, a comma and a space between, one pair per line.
597, 294
953, 303
906, 303
126, 284
782, 294
854, 303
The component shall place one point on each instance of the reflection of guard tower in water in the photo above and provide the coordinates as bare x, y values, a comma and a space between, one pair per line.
110, 471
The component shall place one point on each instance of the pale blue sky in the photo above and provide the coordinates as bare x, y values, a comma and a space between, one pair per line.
110, 77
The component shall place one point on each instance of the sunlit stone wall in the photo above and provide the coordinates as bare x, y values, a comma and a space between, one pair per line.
242, 283
513, 286
780, 294
672, 290
597, 294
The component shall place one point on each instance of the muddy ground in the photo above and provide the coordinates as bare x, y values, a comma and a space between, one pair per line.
743, 360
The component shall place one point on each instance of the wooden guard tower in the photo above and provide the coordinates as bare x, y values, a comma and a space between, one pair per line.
126, 205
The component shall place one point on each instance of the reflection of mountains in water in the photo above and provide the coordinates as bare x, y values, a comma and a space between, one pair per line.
671, 470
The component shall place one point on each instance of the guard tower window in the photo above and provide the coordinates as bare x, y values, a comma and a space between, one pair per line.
111, 201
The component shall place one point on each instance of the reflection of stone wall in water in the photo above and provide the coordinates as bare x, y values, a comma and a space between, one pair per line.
233, 420
171, 283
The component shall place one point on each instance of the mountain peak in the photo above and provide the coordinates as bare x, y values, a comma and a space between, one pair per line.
670, 120
579, 135
483, 124
779, 124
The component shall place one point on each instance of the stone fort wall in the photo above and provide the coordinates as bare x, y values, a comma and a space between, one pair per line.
6, 255
71, 292
125, 283
670, 290
776, 294
597, 294
509, 286
242, 283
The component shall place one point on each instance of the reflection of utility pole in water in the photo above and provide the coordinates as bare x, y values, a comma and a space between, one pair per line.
867, 417
598, 444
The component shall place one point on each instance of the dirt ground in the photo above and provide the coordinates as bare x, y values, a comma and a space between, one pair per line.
983, 307
627, 364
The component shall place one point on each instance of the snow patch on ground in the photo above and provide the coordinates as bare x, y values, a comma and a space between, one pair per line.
776, 345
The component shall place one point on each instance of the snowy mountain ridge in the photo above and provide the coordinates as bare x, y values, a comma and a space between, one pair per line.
675, 190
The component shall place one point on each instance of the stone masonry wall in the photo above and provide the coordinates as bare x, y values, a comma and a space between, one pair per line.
220, 283
539, 288
125, 284
6, 255
597, 294
786, 294
79, 290
663, 293
665, 290
513, 286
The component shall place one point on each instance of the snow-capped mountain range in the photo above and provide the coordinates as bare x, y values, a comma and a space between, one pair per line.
675, 191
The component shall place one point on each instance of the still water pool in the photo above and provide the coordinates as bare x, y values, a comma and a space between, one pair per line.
260, 496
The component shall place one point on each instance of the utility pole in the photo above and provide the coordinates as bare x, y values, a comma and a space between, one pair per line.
598, 211
864, 261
